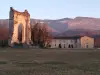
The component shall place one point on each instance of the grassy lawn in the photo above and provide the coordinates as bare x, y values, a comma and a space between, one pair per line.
49, 62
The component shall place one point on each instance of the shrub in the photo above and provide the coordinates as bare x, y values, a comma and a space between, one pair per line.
3, 43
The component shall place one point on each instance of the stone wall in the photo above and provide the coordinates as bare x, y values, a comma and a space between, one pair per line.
17, 18
87, 42
64, 43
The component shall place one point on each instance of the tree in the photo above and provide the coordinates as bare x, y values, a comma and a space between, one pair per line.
34, 32
40, 34
46, 35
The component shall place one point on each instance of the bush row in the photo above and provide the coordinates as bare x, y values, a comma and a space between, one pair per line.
3, 43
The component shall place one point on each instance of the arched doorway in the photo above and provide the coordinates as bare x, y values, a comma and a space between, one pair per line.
64, 46
60, 46
69, 46
86, 46
72, 46
19, 36
20, 31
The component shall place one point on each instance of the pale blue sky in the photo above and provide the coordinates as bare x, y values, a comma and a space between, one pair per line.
52, 9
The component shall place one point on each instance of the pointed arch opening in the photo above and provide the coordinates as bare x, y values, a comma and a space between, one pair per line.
20, 33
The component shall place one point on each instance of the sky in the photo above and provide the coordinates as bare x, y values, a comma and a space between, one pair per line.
52, 9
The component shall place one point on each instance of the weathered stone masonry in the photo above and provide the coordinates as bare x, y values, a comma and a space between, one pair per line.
15, 19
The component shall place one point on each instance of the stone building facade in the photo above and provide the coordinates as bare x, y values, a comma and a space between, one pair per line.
87, 42
97, 41
72, 42
65, 42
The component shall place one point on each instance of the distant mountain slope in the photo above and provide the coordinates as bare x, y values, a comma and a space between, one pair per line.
59, 25
84, 23
74, 32
64, 26
65, 23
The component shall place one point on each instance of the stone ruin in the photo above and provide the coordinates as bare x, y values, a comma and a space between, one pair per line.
17, 18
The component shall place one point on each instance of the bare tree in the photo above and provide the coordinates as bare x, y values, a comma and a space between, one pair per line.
35, 30
46, 35
40, 35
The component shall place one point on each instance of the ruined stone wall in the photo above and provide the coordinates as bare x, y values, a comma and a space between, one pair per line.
19, 18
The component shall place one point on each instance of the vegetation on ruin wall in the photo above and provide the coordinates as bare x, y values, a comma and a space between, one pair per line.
41, 35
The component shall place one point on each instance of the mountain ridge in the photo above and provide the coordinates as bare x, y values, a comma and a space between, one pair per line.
70, 26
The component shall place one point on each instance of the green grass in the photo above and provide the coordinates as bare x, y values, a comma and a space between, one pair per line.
49, 62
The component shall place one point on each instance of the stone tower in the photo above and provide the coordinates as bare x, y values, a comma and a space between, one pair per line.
17, 18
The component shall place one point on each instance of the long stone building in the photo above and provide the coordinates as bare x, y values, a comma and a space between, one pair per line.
72, 42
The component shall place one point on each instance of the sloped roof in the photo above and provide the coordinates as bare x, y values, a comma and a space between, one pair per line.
68, 37
96, 36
